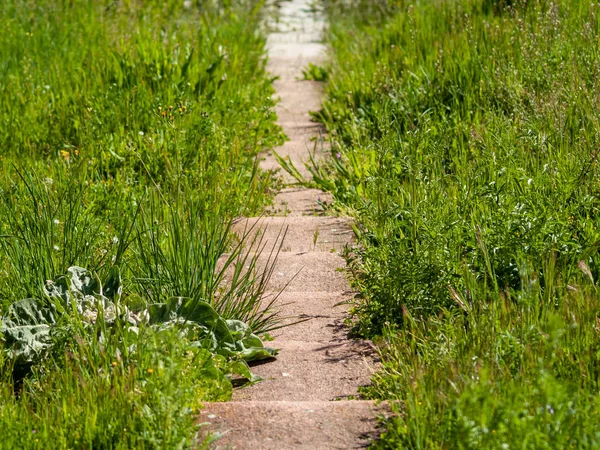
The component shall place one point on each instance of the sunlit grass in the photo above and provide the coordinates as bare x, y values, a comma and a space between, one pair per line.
128, 140
464, 138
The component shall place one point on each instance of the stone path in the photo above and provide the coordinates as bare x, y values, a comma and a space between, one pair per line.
305, 400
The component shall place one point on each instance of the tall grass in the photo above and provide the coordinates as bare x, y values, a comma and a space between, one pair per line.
464, 142
128, 138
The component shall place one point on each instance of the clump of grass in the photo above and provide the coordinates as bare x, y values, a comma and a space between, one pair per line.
185, 249
463, 136
90, 396
315, 73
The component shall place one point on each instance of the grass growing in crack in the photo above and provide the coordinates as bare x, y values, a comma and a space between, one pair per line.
128, 141
466, 134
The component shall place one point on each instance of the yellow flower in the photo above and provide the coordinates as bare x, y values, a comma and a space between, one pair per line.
150, 371
65, 154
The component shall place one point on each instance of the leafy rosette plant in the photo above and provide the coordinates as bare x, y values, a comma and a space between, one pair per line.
29, 325
203, 325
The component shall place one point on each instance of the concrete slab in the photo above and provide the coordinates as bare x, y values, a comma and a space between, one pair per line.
302, 234
316, 425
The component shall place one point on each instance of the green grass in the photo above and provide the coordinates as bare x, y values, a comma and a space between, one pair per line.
128, 138
464, 142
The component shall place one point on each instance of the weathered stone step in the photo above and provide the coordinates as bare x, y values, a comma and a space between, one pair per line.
319, 315
305, 370
302, 234
301, 130
304, 37
294, 97
294, 53
314, 271
305, 271
294, 202
292, 425
295, 153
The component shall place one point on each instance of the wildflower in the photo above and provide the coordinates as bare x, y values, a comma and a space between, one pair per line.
56, 248
150, 371
56, 222
141, 133
65, 154
90, 316
114, 364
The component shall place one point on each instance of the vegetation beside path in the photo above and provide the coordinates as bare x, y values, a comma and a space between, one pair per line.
465, 144
128, 138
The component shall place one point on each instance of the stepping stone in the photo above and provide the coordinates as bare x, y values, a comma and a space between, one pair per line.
298, 96
307, 370
303, 271
302, 234
312, 272
292, 425
294, 202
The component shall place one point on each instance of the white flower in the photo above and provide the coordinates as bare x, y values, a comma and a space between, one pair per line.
141, 133
56, 222
90, 316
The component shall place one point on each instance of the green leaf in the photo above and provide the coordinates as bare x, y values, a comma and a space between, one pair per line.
113, 286
230, 338
26, 329
83, 281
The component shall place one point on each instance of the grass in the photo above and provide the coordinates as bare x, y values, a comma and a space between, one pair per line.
464, 140
128, 142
